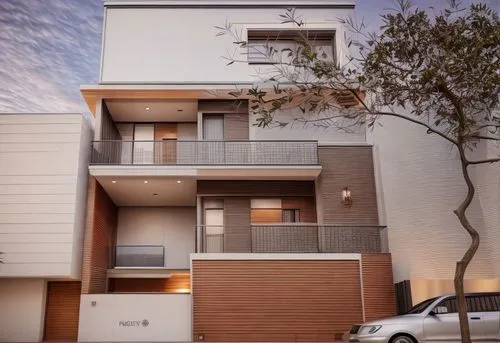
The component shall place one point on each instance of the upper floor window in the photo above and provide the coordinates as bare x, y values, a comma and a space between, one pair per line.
269, 46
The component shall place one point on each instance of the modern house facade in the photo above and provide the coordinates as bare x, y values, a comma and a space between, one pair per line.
201, 226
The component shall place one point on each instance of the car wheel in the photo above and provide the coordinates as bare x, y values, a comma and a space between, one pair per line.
402, 339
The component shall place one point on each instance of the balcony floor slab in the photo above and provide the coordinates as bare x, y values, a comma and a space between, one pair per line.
144, 273
233, 172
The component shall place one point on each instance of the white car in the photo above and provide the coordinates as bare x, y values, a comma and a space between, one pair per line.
435, 320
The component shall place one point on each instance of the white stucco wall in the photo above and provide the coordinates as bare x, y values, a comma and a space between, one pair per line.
43, 163
119, 318
172, 227
487, 207
22, 304
420, 184
180, 44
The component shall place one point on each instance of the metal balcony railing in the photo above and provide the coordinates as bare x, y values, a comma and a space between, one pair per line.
174, 152
290, 238
134, 256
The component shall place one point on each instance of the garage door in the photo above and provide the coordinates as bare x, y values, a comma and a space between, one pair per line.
62, 311
275, 300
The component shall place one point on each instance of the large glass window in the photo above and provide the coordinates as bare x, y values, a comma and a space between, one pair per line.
267, 46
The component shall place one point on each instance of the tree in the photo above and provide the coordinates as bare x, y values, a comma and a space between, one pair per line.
439, 71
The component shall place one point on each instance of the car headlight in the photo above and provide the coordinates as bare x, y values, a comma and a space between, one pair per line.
370, 329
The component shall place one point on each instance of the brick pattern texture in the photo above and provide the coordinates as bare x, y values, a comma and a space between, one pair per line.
99, 238
350, 166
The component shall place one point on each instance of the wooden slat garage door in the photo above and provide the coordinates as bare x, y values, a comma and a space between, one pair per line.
274, 300
62, 311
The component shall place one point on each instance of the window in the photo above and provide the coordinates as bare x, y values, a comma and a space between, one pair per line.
450, 304
268, 47
213, 127
290, 215
421, 307
266, 211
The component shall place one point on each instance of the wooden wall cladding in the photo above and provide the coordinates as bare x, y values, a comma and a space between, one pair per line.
236, 126
223, 106
62, 310
275, 300
256, 188
175, 284
306, 205
378, 286
350, 166
237, 234
266, 216
99, 238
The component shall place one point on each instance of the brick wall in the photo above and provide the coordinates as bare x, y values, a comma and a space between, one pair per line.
100, 237
350, 166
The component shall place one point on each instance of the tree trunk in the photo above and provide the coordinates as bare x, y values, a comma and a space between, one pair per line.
469, 254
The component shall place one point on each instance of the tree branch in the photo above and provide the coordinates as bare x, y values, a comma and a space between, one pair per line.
485, 137
489, 160
415, 121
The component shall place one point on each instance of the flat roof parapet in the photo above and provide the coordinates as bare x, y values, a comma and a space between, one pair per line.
232, 3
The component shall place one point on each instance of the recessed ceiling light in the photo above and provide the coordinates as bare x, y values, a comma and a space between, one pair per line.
148, 108
113, 181
145, 181
179, 181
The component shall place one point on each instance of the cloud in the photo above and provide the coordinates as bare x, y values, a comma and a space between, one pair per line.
47, 50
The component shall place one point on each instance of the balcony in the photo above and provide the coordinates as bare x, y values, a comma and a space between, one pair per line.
138, 256
290, 239
207, 153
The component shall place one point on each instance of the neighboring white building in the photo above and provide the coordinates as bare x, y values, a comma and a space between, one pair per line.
420, 185
43, 189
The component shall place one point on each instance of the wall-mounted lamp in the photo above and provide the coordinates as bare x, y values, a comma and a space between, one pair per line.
346, 197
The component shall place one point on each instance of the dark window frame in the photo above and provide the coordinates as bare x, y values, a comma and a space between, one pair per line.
288, 35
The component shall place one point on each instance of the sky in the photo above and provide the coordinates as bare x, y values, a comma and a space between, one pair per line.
48, 48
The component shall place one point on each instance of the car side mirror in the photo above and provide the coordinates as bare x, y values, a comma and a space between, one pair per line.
439, 310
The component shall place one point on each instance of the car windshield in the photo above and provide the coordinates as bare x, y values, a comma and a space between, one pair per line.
419, 308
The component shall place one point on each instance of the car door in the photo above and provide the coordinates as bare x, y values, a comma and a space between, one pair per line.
443, 323
486, 308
